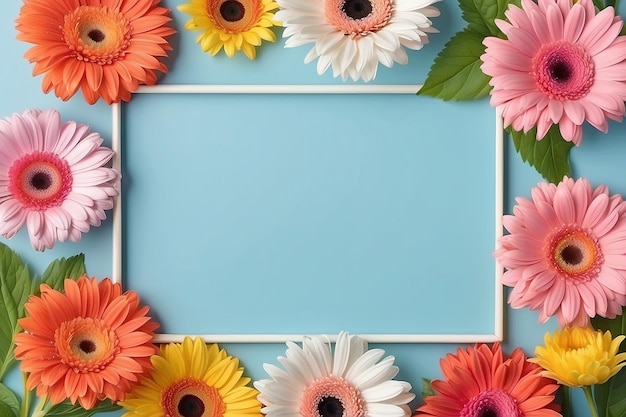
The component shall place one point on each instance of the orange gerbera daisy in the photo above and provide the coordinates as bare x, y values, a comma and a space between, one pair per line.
86, 344
106, 48
482, 381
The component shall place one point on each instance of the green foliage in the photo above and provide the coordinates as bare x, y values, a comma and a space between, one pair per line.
455, 73
480, 15
6, 411
67, 409
9, 401
549, 156
610, 397
58, 270
15, 288
427, 388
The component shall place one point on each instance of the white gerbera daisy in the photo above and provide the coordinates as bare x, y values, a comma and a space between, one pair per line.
352, 382
355, 35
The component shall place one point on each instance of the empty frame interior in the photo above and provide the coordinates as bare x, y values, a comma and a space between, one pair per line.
263, 213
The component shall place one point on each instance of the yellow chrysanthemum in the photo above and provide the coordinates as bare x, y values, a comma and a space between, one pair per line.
235, 25
193, 379
580, 356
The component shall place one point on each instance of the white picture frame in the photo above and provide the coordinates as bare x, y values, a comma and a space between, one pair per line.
117, 224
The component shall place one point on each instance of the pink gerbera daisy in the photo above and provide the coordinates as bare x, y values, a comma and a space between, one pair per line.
565, 253
53, 178
88, 343
562, 63
482, 381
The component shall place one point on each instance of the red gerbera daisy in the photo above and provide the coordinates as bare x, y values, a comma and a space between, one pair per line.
482, 381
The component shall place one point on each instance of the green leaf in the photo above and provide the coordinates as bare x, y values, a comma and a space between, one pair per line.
549, 156
599, 4
427, 388
6, 411
455, 73
616, 326
610, 398
9, 399
58, 270
15, 288
480, 15
67, 409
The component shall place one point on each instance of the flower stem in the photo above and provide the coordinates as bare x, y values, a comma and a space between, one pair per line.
566, 408
590, 401
26, 400
39, 408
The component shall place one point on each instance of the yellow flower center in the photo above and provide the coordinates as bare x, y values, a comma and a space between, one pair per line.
97, 34
86, 344
575, 254
191, 397
358, 18
235, 16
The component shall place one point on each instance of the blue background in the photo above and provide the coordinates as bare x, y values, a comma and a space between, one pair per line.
599, 159
318, 212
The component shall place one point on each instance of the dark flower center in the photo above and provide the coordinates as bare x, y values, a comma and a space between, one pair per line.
560, 71
87, 346
357, 9
572, 255
41, 181
190, 397
332, 396
488, 413
330, 407
232, 11
96, 35
190, 406
492, 403
358, 18
563, 71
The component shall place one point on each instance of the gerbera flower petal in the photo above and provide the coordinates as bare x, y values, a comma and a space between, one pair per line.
353, 37
562, 50
231, 25
87, 45
557, 263
85, 357
357, 383
481, 381
580, 356
47, 164
192, 378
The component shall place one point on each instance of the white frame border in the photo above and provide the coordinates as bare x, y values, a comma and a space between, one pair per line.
116, 108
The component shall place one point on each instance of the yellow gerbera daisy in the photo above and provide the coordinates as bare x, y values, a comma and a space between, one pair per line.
235, 25
193, 379
580, 356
